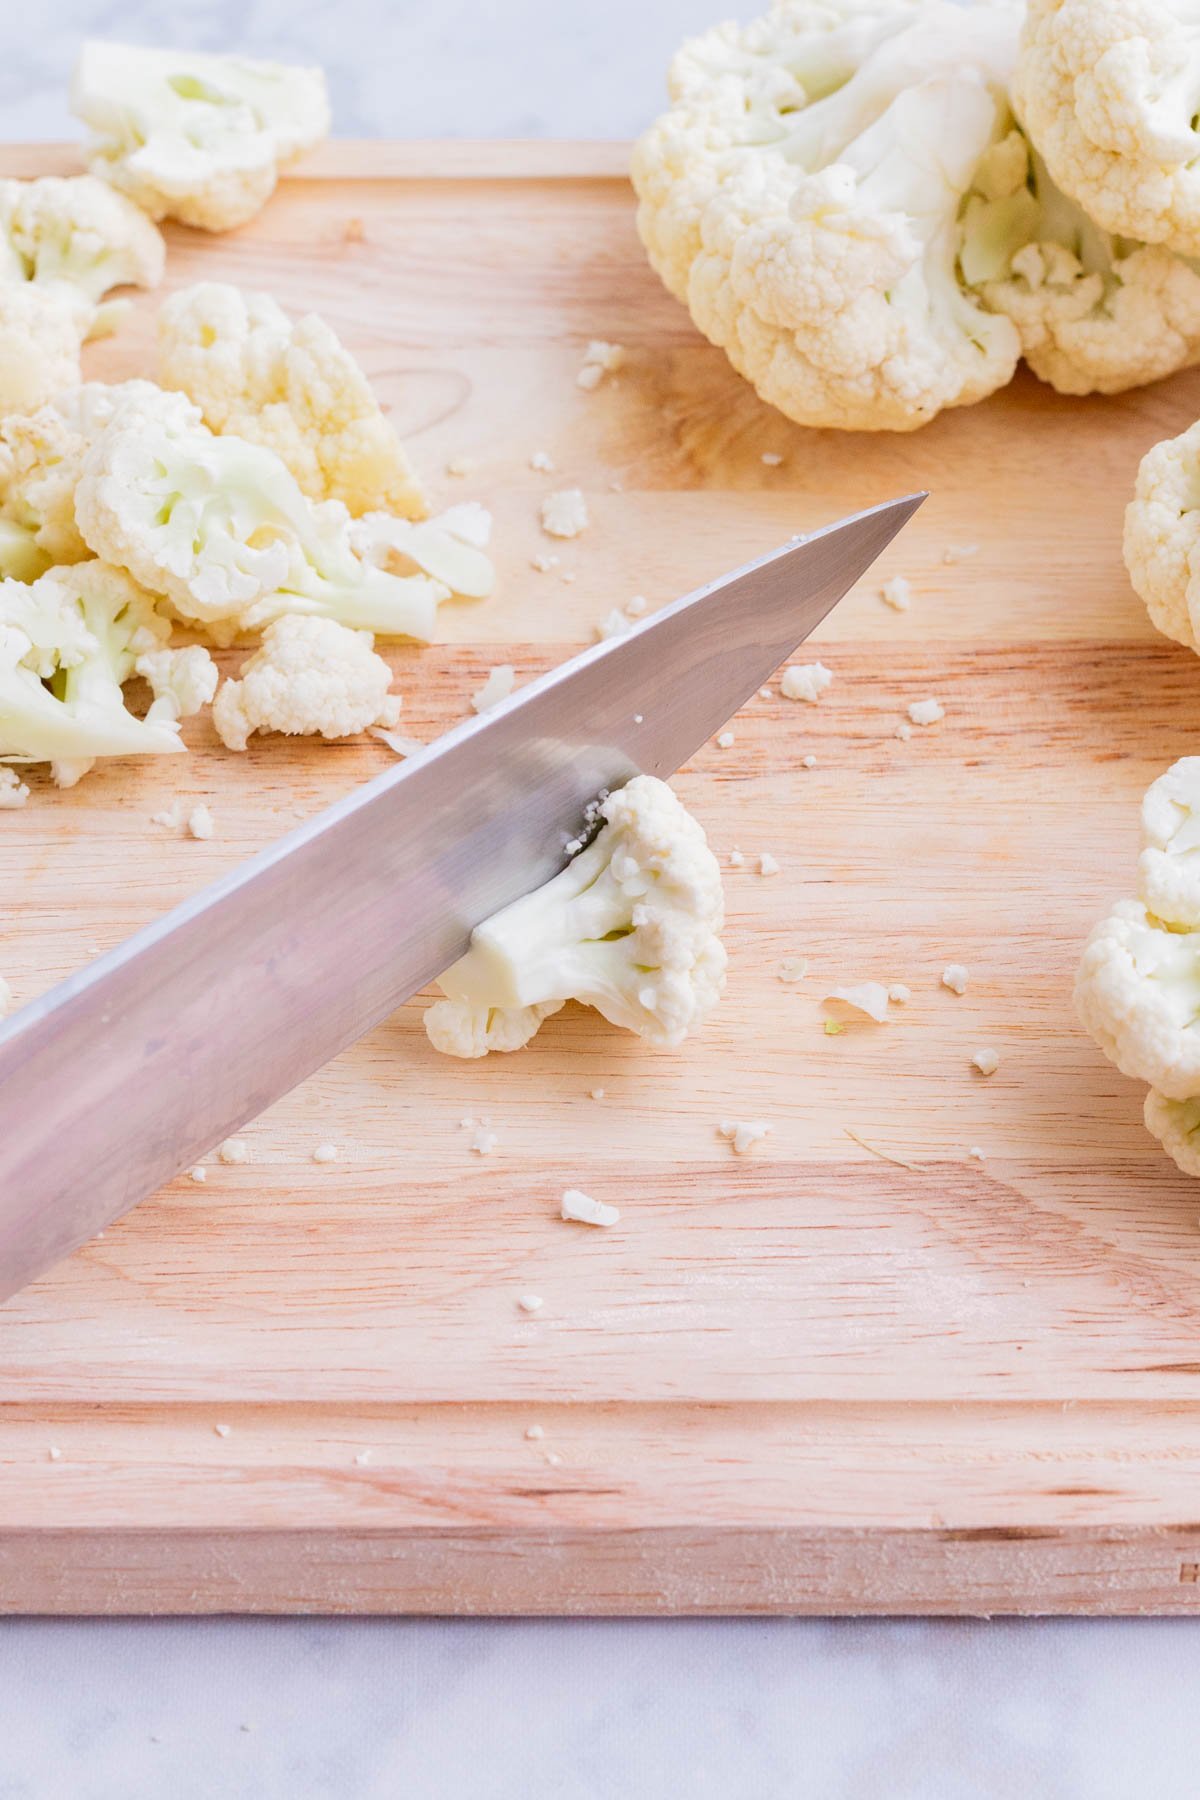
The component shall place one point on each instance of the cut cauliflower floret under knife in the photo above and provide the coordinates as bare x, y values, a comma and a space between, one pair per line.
309, 676
68, 643
291, 386
222, 529
1110, 92
631, 927
197, 137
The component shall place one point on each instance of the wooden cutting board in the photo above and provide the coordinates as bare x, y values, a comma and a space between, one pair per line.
807, 1379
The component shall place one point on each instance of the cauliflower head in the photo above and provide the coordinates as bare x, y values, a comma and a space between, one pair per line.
1109, 90
309, 676
68, 643
221, 528
803, 197
1162, 536
631, 927
195, 137
291, 386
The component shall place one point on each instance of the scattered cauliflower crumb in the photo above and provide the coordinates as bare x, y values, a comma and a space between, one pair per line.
978, 1154
545, 561
869, 997
955, 977
793, 968
767, 864
530, 1303
198, 1174
736, 860
986, 1061
585, 1211
498, 686
899, 994
637, 606
771, 458
222, 1430
743, 1134
362, 1459
834, 1028
535, 1433
461, 465
54, 1453
325, 1153
395, 740
613, 624
568, 575
599, 359
234, 1150
597, 1093
483, 1141
956, 553
808, 762
553, 1458
904, 731
542, 461
897, 593
564, 514
13, 791
200, 822
805, 681
926, 712
171, 819
725, 740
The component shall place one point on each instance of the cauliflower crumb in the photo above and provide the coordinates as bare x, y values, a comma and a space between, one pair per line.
535, 1433
808, 762
584, 1210
545, 561
736, 860
568, 575
198, 1174
767, 864
904, 731
743, 1134
530, 1303
986, 1061
613, 624
564, 514
542, 462
483, 1141
955, 977
13, 791
834, 1028
771, 459
764, 693
793, 968
462, 465
805, 681
956, 553
200, 822
597, 1093
170, 820
234, 1150
898, 994
977, 1153
498, 686
636, 607
926, 712
725, 740
599, 359
222, 1431
897, 593
54, 1453
395, 740
325, 1153
869, 997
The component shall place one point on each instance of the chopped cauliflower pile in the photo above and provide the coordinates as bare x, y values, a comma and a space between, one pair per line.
630, 927
855, 202
1138, 987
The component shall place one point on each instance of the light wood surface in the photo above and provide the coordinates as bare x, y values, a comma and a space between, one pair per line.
803, 1380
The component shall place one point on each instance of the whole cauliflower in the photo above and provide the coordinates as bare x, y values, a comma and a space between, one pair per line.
68, 643
309, 676
631, 927
1162, 536
290, 386
221, 527
191, 136
1109, 90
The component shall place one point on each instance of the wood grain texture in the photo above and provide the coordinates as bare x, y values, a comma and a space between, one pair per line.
807, 1379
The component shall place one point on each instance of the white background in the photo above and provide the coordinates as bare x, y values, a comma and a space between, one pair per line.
409, 1709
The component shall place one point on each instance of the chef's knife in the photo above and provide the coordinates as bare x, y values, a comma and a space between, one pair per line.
137, 1066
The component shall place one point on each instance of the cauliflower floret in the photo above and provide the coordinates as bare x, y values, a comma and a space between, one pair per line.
1176, 1125
309, 676
88, 409
1169, 868
452, 547
803, 198
1162, 536
195, 137
292, 387
222, 529
42, 331
1138, 993
631, 927
68, 642
76, 229
1109, 90
182, 681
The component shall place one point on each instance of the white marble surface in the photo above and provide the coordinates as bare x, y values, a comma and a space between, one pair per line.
744, 1710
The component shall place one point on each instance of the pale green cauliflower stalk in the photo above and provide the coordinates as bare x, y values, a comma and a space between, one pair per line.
291, 386
195, 137
1138, 987
630, 927
1162, 536
1109, 90
308, 677
841, 196
68, 643
221, 527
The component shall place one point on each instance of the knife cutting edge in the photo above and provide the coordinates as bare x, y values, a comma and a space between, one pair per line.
138, 1065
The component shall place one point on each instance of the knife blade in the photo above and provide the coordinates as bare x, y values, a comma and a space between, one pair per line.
135, 1067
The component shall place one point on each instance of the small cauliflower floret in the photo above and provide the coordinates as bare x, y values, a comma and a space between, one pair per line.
68, 642
1176, 1125
806, 681
222, 529
803, 197
291, 386
182, 681
195, 137
42, 331
631, 927
1162, 536
75, 229
1109, 91
1138, 994
1169, 869
309, 676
